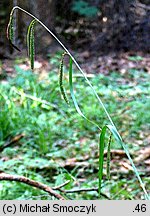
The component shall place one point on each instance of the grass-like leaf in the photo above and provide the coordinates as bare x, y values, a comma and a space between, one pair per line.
101, 155
108, 157
112, 129
119, 140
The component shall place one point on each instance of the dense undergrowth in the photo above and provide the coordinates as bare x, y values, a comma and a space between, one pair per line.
58, 144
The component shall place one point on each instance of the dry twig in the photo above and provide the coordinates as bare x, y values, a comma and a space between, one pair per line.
82, 190
12, 141
146, 7
60, 186
22, 179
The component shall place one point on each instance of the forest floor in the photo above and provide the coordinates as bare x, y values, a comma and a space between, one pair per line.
55, 145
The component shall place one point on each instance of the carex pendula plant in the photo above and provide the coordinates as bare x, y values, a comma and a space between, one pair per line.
101, 130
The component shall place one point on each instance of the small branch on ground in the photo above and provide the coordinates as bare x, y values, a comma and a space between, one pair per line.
12, 141
49, 190
60, 186
22, 179
82, 190
130, 173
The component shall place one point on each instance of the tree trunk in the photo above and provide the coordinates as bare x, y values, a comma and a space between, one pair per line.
125, 27
4, 18
45, 11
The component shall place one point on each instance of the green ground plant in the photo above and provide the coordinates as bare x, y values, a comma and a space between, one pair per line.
53, 132
85, 9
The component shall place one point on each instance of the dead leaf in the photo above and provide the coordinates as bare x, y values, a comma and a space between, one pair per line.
143, 154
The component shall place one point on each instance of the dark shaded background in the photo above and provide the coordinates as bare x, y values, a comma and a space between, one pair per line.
119, 25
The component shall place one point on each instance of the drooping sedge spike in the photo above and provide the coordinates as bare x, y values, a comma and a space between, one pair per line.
30, 43
108, 157
10, 28
28, 34
62, 90
32, 50
10, 31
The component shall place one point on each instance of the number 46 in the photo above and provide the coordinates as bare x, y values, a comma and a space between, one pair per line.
140, 208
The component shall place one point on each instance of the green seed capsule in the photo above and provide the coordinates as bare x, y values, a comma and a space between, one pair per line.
32, 49
30, 43
11, 29
62, 90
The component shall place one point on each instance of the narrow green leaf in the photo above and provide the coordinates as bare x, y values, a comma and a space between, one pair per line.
115, 133
108, 158
124, 146
101, 155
